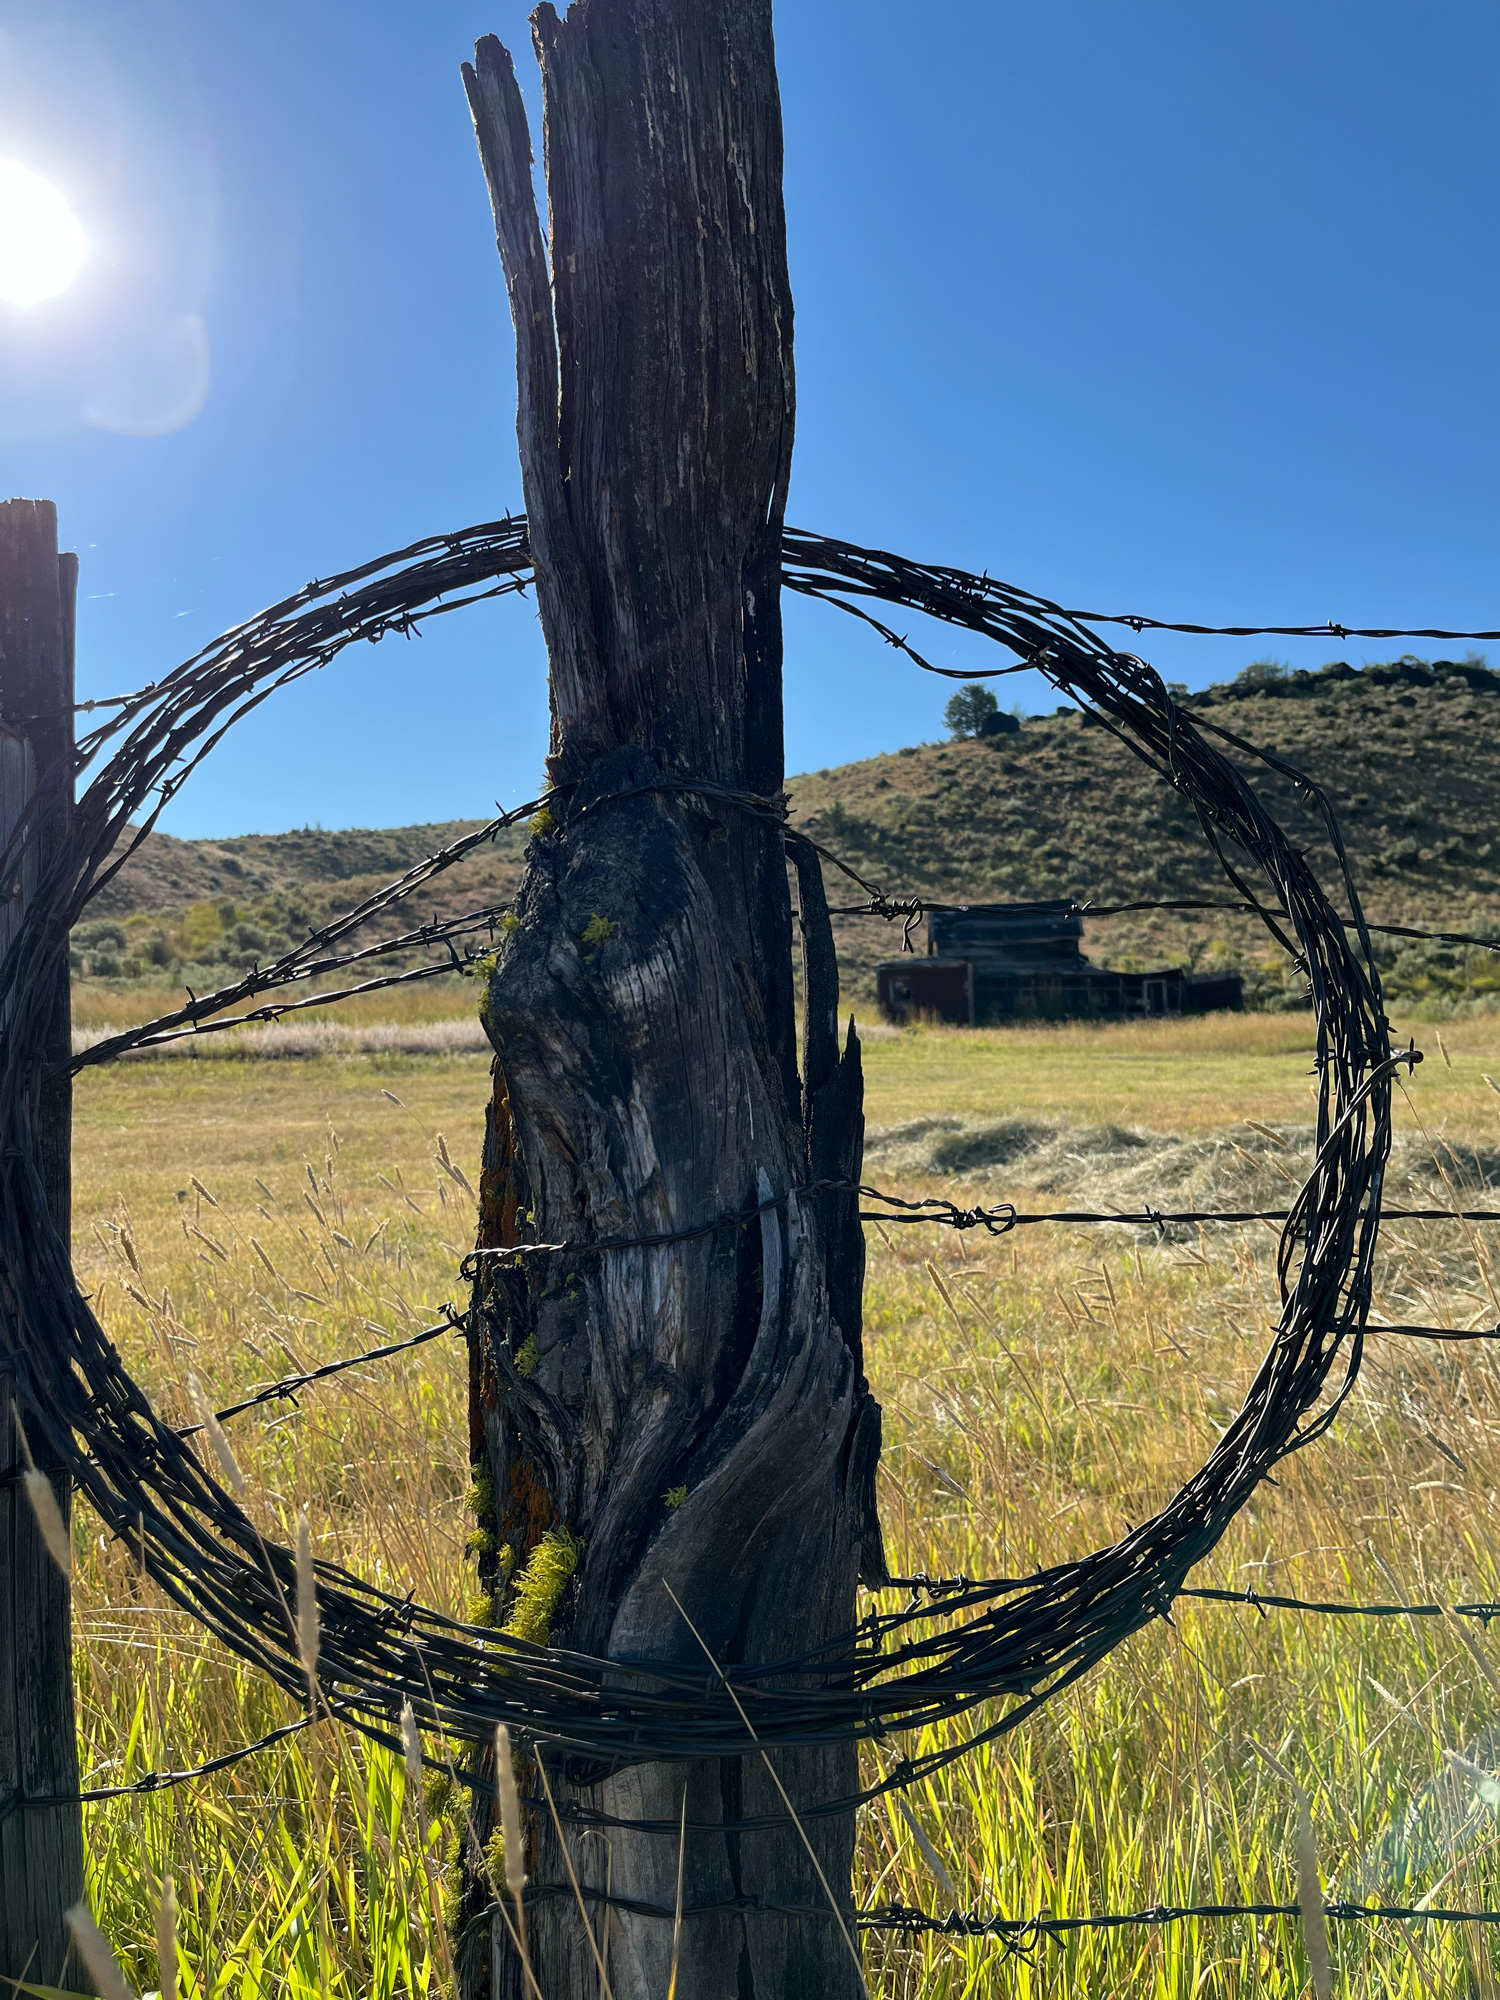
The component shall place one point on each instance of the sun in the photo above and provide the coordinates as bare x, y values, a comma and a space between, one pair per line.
41, 244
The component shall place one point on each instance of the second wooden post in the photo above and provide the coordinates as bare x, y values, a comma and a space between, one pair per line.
41, 1845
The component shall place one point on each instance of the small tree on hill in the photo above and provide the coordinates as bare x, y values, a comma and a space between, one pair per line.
973, 711
1261, 673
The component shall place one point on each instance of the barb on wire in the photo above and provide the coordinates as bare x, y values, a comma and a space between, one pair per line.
931, 1208
1003, 1217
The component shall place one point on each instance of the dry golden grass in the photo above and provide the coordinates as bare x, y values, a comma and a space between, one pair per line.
1166, 1075
1041, 1391
101, 1003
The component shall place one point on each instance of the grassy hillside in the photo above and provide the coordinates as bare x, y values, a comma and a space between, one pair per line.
195, 910
1409, 752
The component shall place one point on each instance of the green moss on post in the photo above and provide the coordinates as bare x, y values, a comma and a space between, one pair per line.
539, 1586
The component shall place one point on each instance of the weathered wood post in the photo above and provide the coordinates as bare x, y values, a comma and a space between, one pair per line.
41, 1847
684, 1425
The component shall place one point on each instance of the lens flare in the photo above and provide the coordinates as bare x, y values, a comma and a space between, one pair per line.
41, 244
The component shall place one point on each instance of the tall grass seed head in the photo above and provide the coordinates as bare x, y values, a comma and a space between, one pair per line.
44, 1505
49, 1520
93, 1948
228, 1465
308, 1628
510, 1812
411, 1752
1310, 1900
928, 1852
166, 1939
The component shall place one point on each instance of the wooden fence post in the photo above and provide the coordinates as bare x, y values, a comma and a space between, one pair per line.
687, 1426
41, 1847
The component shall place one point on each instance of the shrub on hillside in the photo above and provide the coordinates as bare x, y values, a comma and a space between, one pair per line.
974, 711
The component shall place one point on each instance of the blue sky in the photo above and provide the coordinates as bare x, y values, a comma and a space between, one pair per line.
1166, 307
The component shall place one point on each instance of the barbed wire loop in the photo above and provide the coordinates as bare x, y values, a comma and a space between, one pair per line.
1030, 1638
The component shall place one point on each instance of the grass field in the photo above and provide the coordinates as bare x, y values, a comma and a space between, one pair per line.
1041, 1390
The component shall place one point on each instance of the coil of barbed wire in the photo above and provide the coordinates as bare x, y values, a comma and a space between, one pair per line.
1019, 1640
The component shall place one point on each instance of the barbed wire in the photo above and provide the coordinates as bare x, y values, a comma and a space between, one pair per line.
938, 1589
1017, 1934
291, 1385
804, 561
1138, 623
314, 957
1265, 1600
192, 1538
941, 1589
997, 1219
155, 1781
203, 1013
911, 910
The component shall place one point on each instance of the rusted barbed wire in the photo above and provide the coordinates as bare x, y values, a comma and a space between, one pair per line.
150, 1488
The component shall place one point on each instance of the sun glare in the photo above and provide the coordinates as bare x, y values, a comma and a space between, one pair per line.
41, 244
